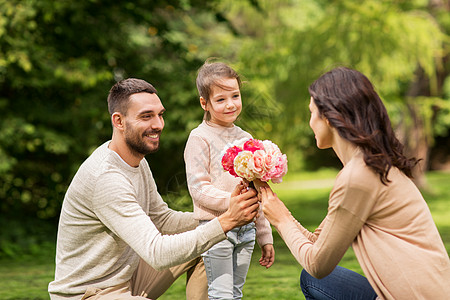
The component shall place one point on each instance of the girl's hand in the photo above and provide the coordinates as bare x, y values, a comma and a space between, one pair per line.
274, 209
267, 256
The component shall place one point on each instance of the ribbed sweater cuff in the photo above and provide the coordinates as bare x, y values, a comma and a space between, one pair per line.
264, 239
214, 231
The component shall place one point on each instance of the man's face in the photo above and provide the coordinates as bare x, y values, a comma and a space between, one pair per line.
143, 123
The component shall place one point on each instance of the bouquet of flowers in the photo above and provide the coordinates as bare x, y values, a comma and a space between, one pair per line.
255, 159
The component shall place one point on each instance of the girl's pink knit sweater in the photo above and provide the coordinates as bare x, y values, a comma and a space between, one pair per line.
209, 185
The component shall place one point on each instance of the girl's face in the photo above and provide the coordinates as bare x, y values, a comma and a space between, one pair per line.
225, 103
320, 127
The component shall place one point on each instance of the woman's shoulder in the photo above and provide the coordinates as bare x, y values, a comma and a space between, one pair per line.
357, 173
355, 182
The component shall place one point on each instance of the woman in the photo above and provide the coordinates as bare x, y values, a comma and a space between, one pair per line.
373, 207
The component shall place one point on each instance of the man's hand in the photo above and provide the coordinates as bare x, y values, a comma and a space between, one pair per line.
242, 210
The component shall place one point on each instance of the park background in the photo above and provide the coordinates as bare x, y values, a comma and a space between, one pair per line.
58, 60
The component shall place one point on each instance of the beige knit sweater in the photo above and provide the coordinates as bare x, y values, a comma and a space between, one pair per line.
390, 229
209, 185
112, 214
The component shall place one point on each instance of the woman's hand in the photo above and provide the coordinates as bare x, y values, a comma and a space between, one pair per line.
267, 256
258, 184
274, 209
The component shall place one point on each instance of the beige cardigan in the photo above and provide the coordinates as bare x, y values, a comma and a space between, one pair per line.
390, 229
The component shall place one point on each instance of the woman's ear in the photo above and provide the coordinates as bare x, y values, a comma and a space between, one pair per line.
117, 120
203, 103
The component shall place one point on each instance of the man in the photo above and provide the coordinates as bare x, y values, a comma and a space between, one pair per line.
116, 232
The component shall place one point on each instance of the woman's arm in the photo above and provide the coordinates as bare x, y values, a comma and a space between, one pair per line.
319, 256
312, 236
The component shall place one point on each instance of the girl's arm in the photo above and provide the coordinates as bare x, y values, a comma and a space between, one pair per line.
197, 158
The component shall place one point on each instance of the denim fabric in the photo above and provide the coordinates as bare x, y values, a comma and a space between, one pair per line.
227, 263
341, 284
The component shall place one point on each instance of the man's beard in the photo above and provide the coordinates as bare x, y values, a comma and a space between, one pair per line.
136, 143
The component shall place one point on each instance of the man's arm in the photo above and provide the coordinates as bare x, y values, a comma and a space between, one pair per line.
124, 217
169, 221
118, 210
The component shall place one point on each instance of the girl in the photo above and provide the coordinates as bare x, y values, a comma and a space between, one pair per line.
373, 207
210, 186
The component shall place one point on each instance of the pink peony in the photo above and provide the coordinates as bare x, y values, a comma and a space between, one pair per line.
279, 169
270, 160
269, 146
257, 164
228, 159
253, 145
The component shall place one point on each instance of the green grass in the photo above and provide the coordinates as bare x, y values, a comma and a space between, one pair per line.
26, 279
305, 194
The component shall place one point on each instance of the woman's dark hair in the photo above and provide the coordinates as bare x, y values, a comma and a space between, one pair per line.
348, 100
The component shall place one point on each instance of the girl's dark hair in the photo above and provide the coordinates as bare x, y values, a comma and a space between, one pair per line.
348, 100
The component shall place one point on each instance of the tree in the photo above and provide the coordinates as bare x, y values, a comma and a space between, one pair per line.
399, 45
58, 60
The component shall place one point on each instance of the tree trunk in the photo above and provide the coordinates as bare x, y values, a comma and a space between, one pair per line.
412, 131
413, 135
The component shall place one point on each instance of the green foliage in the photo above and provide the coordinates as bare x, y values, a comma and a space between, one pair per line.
58, 59
57, 63
26, 279
26, 239
48, 90
294, 42
442, 107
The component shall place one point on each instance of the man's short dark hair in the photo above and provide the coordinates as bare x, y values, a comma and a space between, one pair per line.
120, 93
